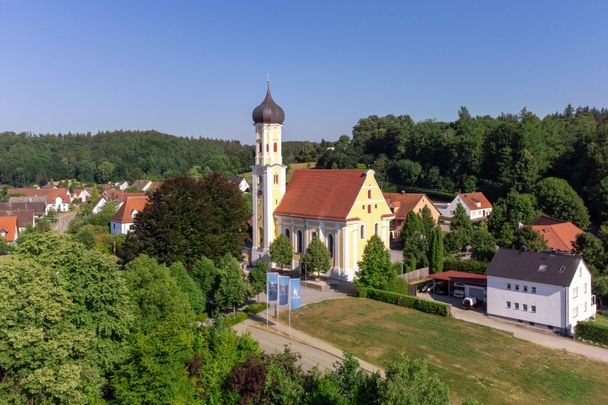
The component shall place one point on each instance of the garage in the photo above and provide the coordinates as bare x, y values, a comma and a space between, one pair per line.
475, 291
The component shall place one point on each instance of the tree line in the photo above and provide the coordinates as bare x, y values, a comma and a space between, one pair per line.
493, 155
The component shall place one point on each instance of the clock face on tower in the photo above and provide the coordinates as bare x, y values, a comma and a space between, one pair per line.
260, 192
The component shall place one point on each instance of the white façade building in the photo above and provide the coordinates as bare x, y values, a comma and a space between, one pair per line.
476, 205
544, 289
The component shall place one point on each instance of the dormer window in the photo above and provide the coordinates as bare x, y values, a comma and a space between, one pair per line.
542, 268
133, 214
562, 269
3, 234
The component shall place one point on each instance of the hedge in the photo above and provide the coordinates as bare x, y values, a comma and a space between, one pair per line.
233, 319
254, 308
431, 307
592, 331
466, 266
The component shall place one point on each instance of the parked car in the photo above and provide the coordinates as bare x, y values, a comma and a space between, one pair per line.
440, 290
469, 302
428, 287
458, 293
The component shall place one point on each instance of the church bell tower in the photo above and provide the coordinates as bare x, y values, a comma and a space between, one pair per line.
268, 173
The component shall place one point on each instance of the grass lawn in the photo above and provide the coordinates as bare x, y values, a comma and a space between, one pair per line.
476, 361
602, 320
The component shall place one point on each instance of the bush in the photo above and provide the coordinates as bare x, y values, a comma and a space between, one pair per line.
255, 308
419, 304
233, 319
398, 285
592, 331
466, 266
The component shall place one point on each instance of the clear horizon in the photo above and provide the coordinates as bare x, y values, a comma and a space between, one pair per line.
198, 69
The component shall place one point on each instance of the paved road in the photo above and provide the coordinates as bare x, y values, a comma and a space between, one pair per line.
529, 333
313, 351
63, 220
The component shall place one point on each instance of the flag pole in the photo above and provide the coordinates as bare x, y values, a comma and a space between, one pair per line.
289, 304
267, 292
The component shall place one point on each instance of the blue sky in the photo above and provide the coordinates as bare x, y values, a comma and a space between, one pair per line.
199, 68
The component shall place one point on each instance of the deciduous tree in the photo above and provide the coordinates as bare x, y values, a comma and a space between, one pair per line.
375, 267
316, 258
281, 251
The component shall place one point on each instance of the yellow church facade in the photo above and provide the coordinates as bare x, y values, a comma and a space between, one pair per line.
344, 208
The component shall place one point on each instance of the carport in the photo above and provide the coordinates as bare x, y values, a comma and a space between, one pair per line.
474, 284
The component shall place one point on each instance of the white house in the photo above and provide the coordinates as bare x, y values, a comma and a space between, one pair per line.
122, 185
240, 182
546, 289
82, 194
99, 205
124, 218
476, 205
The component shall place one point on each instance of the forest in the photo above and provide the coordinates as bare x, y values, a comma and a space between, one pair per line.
27, 159
493, 155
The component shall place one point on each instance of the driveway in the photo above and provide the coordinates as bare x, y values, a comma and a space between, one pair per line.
314, 352
524, 332
63, 221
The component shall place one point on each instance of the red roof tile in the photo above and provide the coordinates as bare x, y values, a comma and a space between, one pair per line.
559, 236
402, 204
50, 193
8, 225
321, 193
461, 276
475, 201
125, 212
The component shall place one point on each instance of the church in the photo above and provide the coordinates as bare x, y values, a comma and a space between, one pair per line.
344, 208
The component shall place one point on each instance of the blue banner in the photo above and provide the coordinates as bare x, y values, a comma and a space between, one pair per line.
272, 286
294, 293
283, 290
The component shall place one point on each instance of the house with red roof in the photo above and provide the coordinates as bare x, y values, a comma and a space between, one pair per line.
476, 205
57, 199
343, 208
124, 218
8, 228
401, 204
560, 235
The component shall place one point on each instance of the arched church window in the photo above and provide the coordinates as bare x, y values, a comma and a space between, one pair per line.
376, 229
299, 242
330, 244
276, 147
261, 236
287, 233
260, 147
362, 231
267, 148
313, 235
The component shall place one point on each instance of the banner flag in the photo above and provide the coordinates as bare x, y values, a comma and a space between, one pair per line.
295, 293
283, 290
272, 286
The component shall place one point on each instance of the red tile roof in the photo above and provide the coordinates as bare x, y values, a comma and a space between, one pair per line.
321, 193
559, 236
402, 204
9, 225
24, 217
125, 212
50, 193
475, 201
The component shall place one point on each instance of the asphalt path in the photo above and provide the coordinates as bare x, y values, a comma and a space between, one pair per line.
63, 221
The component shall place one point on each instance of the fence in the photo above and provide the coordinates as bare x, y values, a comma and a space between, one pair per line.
416, 274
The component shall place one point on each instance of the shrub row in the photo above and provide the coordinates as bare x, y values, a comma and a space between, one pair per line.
466, 266
255, 308
592, 331
398, 285
431, 307
233, 319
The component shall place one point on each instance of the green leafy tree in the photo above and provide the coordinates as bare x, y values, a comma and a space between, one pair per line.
528, 238
207, 276
592, 251
188, 286
281, 251
375, 267
42, 353
557, 199
257, 277
5, 247
232, 289
525, 172
513, 209
187, 218
415, 251
428, 222
461, 221
483, 244
436, 250
411, 382
413, 224
316, 258
97, 289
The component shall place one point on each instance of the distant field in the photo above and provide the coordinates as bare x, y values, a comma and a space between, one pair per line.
292, 168
476, 361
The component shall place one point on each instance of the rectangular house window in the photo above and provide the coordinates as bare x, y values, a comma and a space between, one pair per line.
525, 307
517, 305
575, 312
516, 287
508, 304
532, 308
533, 290
508, 286
525, 288
575, 292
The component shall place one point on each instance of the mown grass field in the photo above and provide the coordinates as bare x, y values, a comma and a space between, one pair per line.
477, 362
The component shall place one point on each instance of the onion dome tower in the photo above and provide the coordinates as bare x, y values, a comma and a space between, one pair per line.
268, 177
